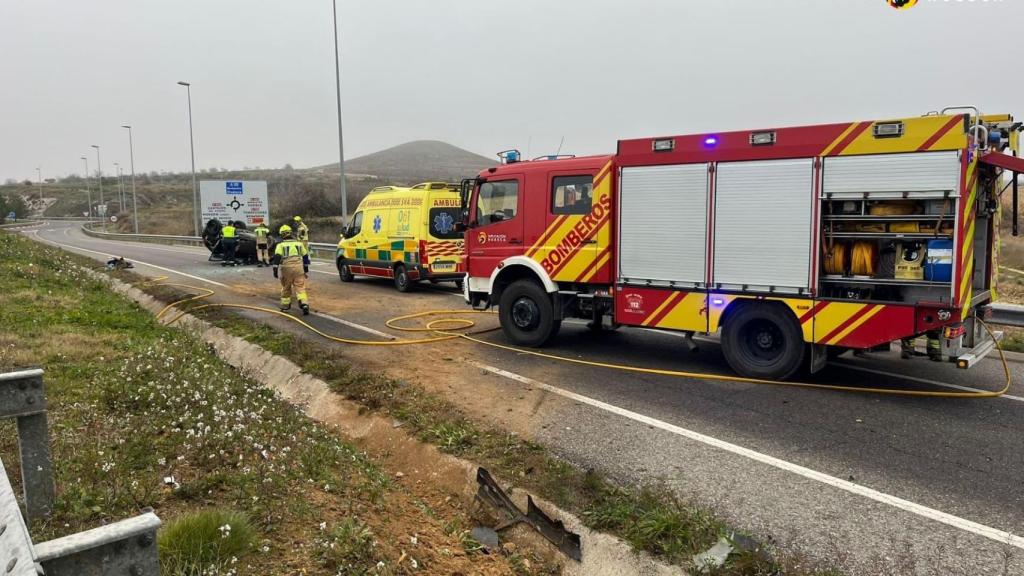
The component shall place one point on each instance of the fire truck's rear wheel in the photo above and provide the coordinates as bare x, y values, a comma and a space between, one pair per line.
527, 314
763, 341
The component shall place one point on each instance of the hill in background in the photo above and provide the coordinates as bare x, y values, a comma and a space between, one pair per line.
416, 161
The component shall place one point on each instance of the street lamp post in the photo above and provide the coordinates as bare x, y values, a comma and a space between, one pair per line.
88, 193
341, 144
192, 147
135, 201
99, 177
42, 207
120, 188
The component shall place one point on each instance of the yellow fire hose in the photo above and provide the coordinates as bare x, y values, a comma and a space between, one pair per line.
465, 323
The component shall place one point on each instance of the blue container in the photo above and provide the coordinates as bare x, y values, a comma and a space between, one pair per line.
938, 261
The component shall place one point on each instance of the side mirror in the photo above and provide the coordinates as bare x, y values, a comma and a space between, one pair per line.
344, 232
460, 227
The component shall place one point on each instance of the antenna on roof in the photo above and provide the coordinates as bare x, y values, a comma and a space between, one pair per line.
560, 142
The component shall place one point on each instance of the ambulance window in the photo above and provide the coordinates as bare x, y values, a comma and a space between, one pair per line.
497, 202
356, 225
572, 194
442, 223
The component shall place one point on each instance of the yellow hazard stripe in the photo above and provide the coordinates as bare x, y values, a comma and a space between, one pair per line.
860, 322
841, 137
657, 311
600, 264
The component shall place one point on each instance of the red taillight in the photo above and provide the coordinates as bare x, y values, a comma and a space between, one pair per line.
423, 253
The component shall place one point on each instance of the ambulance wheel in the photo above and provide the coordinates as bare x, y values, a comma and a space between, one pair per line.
763, 341
402, 280
527, 314
344, 271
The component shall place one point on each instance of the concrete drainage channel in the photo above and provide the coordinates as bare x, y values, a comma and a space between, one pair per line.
602, 554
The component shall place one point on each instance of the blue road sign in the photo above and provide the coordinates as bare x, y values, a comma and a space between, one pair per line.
233, 187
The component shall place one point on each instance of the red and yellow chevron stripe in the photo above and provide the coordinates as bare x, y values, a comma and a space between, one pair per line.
919, 134
576, 247
967, 221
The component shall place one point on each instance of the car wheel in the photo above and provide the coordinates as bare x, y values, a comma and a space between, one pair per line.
344, 271
402, 281
527, 314
763, 341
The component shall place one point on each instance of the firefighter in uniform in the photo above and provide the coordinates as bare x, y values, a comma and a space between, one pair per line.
293, 259
262, 245
301, 232
228, 243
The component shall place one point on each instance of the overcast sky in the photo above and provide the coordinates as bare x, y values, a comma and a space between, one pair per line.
481, 74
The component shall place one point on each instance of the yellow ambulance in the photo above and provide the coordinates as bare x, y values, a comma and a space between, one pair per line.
405, 234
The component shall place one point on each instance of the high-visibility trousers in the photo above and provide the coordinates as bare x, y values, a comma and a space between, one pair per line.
293, 283
263, 252
305, 244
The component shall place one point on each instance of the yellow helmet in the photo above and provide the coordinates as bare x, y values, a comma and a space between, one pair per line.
297, 219
285, 230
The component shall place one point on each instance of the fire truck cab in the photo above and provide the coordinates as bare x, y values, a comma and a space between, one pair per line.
795, 243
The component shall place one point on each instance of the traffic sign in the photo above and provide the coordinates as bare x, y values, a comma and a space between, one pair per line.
113, 218
12, 216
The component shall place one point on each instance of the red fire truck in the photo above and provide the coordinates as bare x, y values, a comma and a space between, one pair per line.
796, 243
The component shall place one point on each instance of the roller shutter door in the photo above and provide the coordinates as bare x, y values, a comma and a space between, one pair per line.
921, 174
663, 224
763, 222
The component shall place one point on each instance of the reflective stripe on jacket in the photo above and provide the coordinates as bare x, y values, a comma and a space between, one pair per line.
288, 251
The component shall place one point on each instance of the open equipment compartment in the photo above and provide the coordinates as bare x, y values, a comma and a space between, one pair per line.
888, 227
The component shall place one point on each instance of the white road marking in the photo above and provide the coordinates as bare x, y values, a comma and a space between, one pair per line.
845, 485
1014, 270
134, 261
356, 326
860, 368
922, 380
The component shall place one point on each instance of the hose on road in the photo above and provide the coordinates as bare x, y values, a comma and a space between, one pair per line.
451, 316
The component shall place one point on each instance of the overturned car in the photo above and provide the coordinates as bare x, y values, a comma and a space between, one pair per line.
246, 251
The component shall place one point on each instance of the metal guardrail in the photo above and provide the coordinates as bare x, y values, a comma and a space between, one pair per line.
125, 547
89, 228
1004, 315
318, 250
22, 398
19, 224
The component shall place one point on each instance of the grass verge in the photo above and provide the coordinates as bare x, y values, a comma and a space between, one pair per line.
143, 415
651, 519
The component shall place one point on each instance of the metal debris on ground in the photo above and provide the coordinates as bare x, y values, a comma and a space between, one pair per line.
487, 537
717, 556
714, 557
119, 264
553, 530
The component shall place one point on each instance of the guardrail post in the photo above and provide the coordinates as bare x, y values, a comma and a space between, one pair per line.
22, 397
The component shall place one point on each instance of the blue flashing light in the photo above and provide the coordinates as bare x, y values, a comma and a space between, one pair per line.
512, 156
717, 301
711, 141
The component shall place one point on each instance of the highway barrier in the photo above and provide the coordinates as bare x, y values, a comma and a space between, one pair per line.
124, 547
318, 250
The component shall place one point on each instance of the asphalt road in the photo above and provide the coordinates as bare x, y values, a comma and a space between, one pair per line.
939, 482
